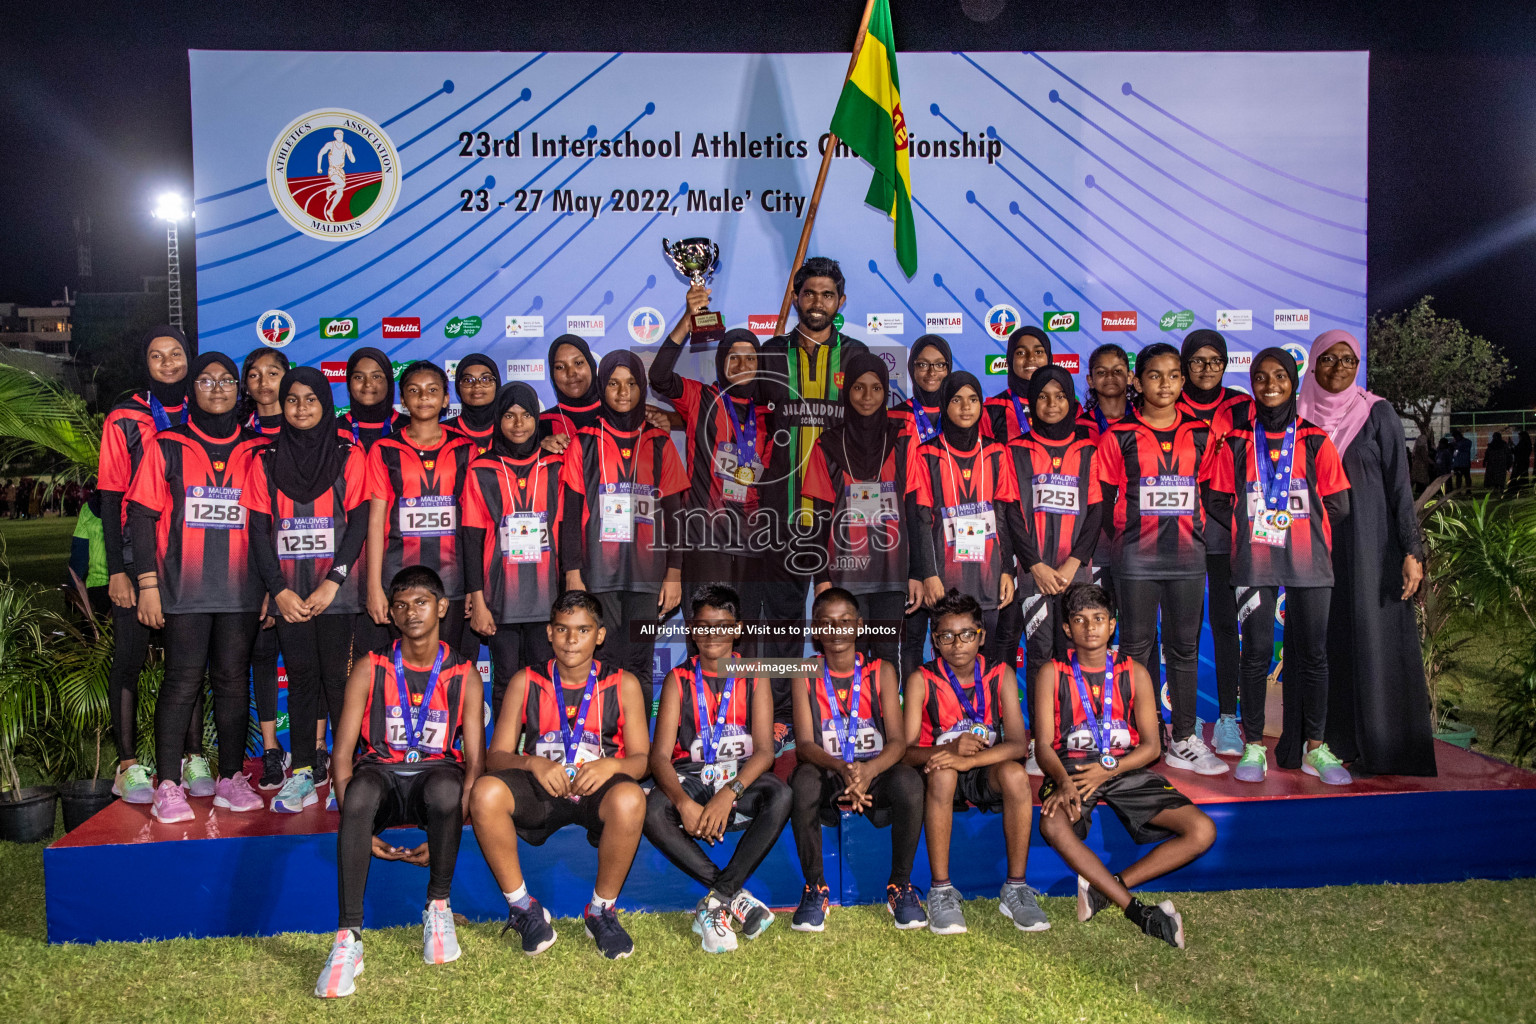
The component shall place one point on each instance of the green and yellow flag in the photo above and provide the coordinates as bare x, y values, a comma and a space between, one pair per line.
869, 118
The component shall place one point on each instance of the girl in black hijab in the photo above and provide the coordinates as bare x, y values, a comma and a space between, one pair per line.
476, 381
577, 395
1029, 349
929, 362
165, 389
1203, 357
371, 391
307, 495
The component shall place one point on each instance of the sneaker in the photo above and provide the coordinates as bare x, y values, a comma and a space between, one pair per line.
1254, 765
533, 925
751, 914
439, 940
297, 793
811, 914
274, 763
197, 777
1030, 764
1089, 900
1021, 905
235, 794
1227, 738
1160, 922
712, 923
603, 928
134, 785
1324, 765
1193, 755
322, 767
906, 906
783, 739
170, 804
944, 914
330, 799
342, 966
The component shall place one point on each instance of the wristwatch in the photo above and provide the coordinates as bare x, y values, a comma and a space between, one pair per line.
737, 788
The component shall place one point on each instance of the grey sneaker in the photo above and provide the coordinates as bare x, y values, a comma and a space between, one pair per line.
944, 914
1020, 904
1030, 764
439, 938
1227, 737
1193, 755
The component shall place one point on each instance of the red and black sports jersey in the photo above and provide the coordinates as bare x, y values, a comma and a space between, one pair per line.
1090, 420
422, 488
127, 429
547, 702
926, 427
268, 426
714, 451
308, 534
202, 546
481, 438
1000, 419
868, 715
964, 489
384, 736
1057, 483
367, 433
517, 502
1076, 743
942, 714
867, 545
1306, 560
1158, 527
738, 713
1218, 539
608, 466
567, 419
1207, 411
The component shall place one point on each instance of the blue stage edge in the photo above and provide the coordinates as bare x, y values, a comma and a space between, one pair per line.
262, 873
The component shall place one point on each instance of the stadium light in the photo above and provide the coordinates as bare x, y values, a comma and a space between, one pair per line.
171, 208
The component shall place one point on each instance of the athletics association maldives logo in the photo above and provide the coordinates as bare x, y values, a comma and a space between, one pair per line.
646, 325
275, 328
1002, 320
334, 174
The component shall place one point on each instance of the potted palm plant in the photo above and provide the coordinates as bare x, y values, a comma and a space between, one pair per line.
79, 676
26, 812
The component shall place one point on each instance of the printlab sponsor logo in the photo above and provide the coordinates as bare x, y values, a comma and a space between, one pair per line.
1293, 319
1002, 320
338, 327
523, 326
1117, 320
1067, 361
1239, 360
1176, 320
885, 323
333, 174
525, 369
1062, 321
402, 327
1299, 354
763, 324
336, 373
586, 326
275, 328
1234, 319
943, 323
997, 366
463, 327
646, 325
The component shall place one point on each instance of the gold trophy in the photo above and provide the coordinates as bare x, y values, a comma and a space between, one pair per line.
697, 259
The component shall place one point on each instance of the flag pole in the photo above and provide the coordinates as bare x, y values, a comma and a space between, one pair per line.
821, 180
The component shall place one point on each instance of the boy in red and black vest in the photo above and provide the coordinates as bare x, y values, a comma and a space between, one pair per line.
1099, 713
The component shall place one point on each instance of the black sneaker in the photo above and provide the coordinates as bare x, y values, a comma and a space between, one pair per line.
273, 764
811, 915
1089, 900
603, 928
533, 925
322, 767
906, 906
1160, 922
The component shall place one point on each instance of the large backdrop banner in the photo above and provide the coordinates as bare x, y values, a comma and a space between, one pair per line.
435, 204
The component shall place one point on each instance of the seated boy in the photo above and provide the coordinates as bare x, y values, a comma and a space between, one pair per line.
849, 740
965, 731
583, 735
395, 763
712, 760
1105, 734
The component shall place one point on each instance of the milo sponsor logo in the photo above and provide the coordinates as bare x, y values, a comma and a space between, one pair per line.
462, 327
1061, 321
997, 366
338, 327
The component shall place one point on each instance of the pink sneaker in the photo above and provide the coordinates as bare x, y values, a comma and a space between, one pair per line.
236, 794
170, 804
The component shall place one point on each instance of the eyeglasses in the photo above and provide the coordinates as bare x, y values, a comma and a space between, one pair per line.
948, 638
922, 367
222, 384
1348, 362
1207, 364
484, 379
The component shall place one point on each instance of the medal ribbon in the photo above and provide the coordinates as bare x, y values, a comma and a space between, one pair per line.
1098, 414
572, 732
843, 724
1101, 729
1018, 411
1275, 477
745, 433
158, 414
976, 712
414, 726
709, 738
926, 429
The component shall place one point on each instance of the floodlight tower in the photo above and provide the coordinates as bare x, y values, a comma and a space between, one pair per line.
172, 209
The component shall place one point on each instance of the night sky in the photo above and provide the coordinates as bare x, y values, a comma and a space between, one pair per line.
94, 100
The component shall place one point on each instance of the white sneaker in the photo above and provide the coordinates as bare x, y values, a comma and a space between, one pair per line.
1192, 755
1030, 764
713, 924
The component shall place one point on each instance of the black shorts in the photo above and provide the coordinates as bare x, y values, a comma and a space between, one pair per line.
405, 804
536, 815
1136, 797
974, 788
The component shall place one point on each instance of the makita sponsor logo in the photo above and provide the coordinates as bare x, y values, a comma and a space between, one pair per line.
764, 325
402, 327
1067, 361
1117, 320
334, 372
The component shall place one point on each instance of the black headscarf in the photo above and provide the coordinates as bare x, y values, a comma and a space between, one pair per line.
169, 394
381, 412
862, 442
635, 418
520, 394
1283, 415
594, 390
955, 436
742, 392
1194, 341
921, 397
1062, 429
476, 417
215, 425
1018, 385
306, 463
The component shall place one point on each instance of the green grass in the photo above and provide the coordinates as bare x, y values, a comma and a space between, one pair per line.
37, 551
